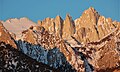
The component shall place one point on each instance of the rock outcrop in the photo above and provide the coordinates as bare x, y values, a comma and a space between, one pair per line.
91, 26
6, 37
88, 22
48, 24
58, 26
68, 27
63, 28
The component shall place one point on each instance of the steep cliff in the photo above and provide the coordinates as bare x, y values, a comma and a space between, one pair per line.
5, 36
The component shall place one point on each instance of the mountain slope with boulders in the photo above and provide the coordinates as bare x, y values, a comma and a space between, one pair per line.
90, 43
12, 60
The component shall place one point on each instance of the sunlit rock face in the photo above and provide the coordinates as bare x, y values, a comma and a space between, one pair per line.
68, 27
5, 36
92, 27
86, 24
89, 43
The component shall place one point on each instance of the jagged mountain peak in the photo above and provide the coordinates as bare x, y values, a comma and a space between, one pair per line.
39, 22
91, 10
68, 27
48, 19
58, 18
1, 23
92, 24
68, 17
5, 36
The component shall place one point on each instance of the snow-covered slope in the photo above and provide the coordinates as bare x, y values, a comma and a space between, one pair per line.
52, 57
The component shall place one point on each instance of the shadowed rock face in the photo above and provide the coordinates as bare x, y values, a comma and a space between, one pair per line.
12, 60
52, 57
93, 35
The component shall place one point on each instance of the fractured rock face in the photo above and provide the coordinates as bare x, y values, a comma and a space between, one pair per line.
64, 29
109, 57
88, 20
5, 36
53, 25
105, 26
48, 24
58, 25
96, 26
29, 36
68, 27
38, 35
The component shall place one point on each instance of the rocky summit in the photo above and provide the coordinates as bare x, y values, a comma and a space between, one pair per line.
90, 43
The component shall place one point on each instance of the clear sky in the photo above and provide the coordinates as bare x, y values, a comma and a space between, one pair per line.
40, 9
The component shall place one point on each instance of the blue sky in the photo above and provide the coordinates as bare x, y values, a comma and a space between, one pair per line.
40, 9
